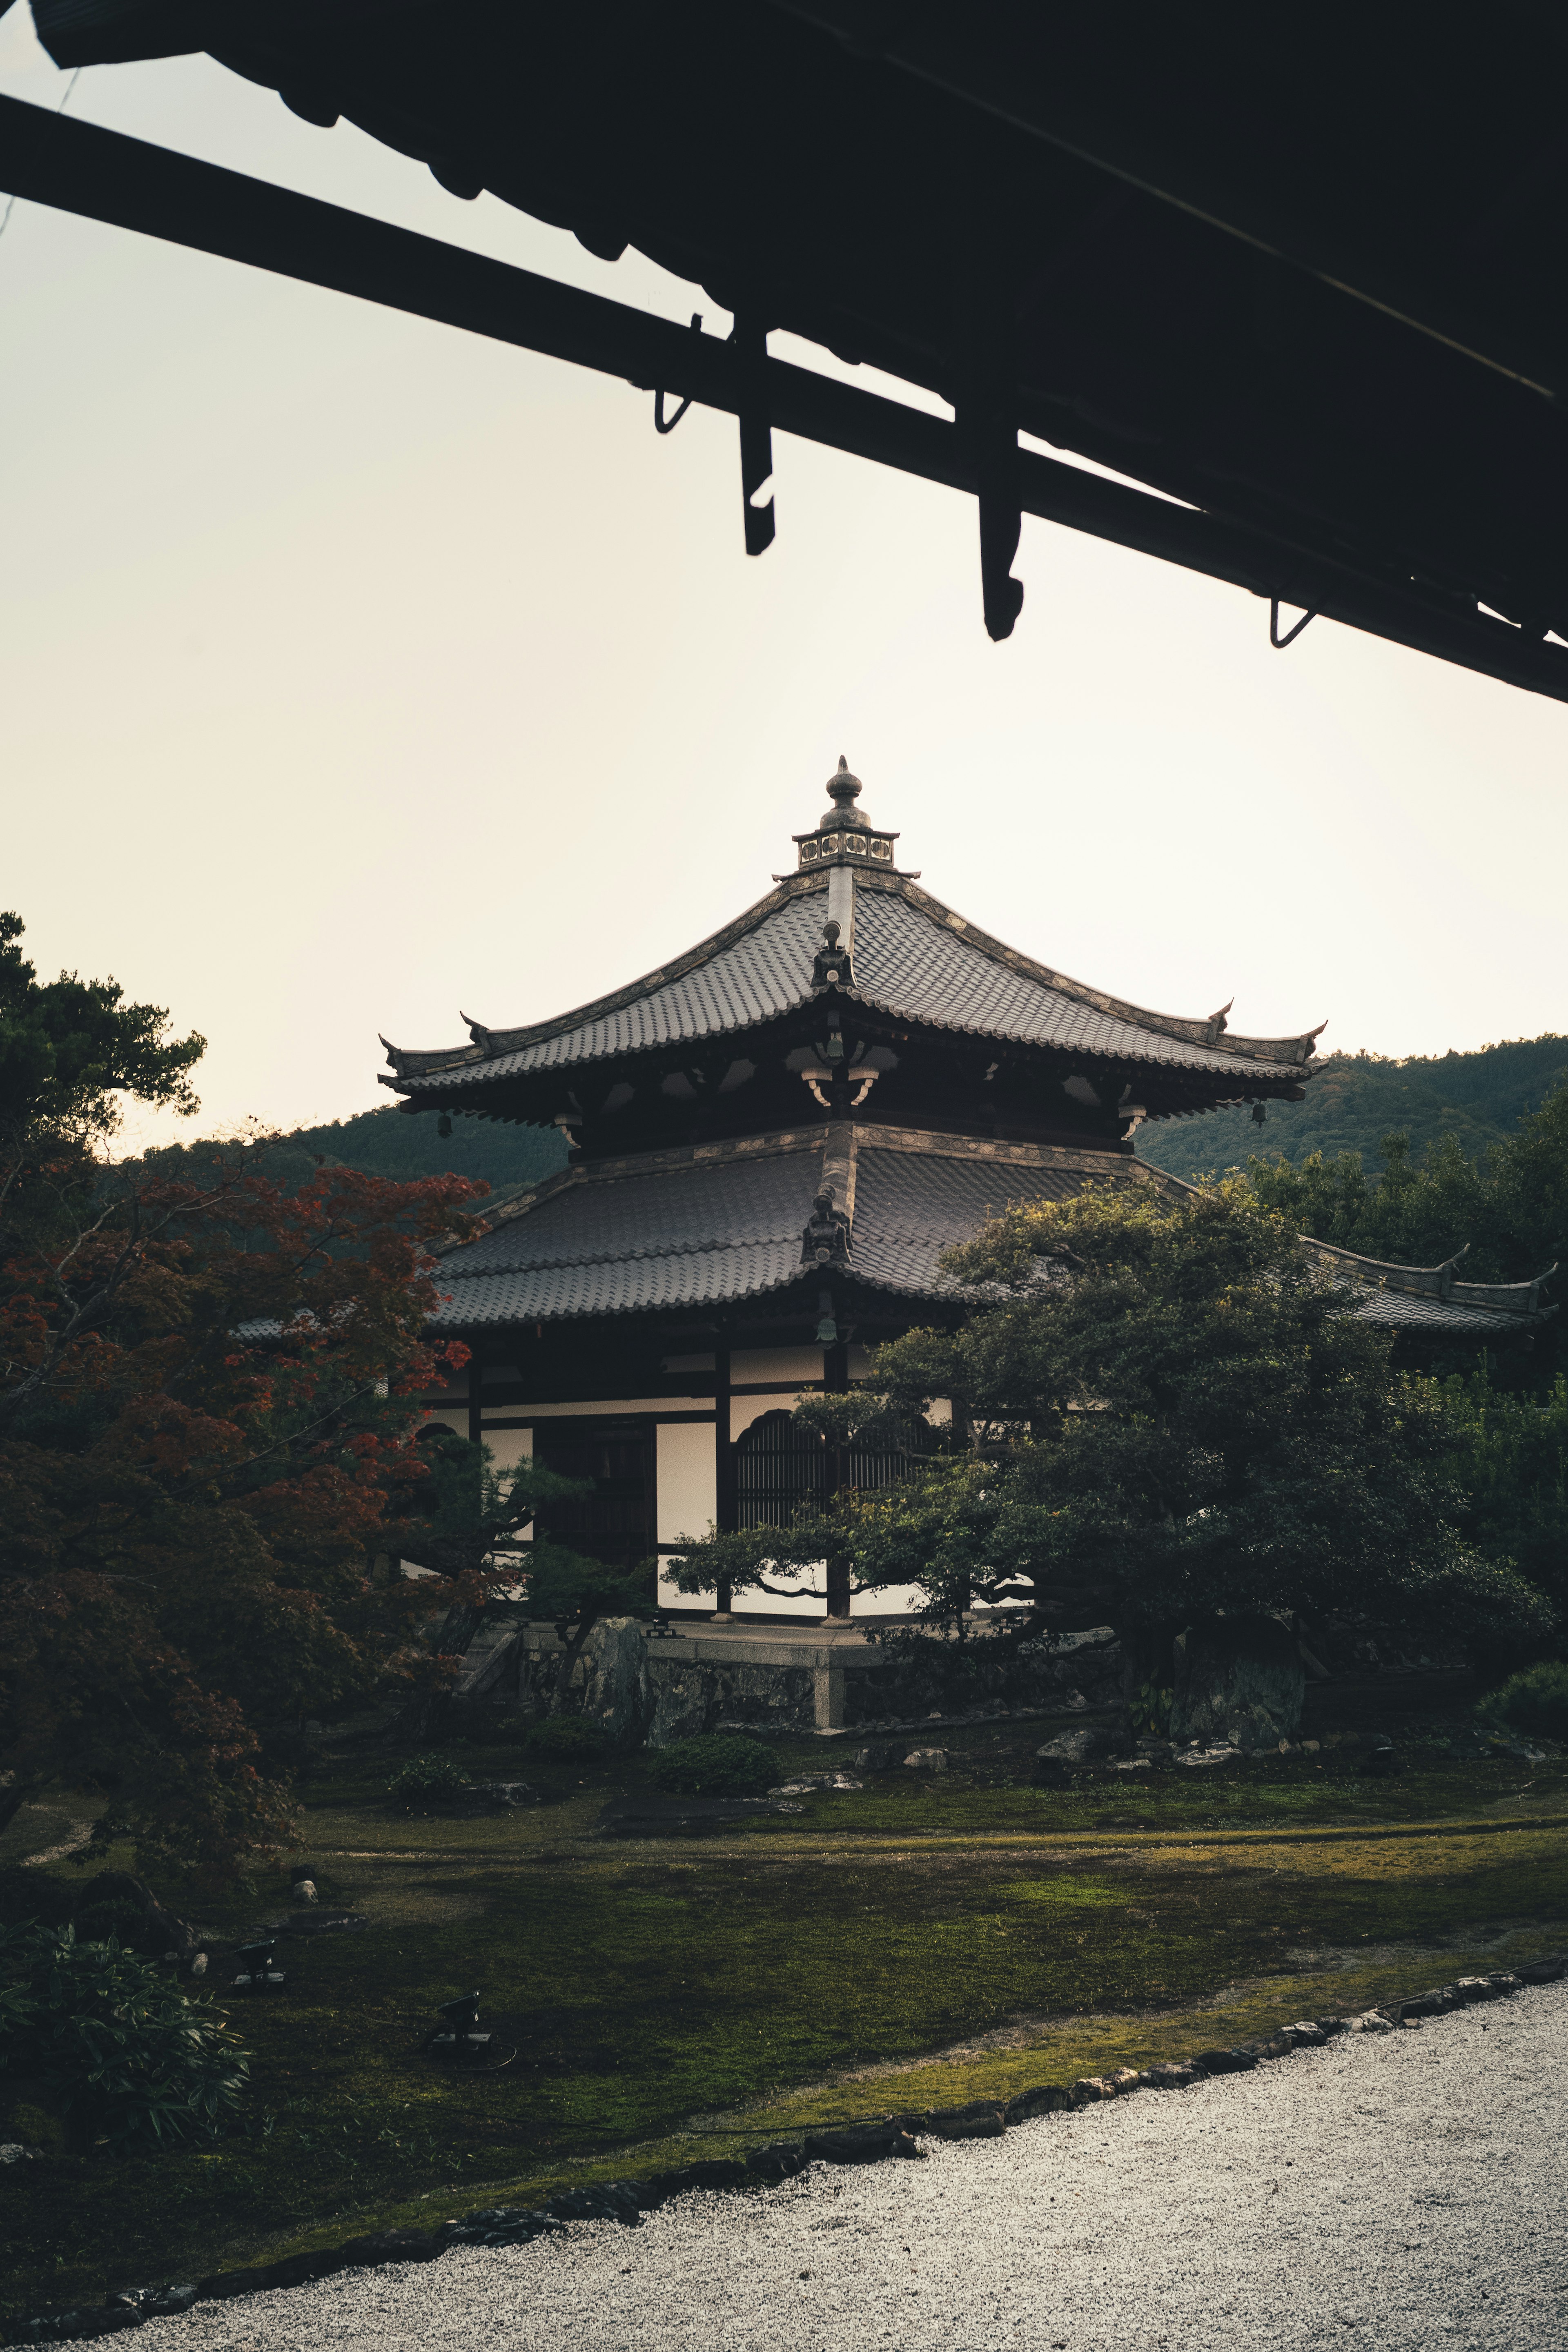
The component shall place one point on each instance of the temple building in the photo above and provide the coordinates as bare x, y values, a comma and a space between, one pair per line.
772, 1140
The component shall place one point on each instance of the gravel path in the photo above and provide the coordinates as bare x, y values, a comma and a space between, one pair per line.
1400, 2190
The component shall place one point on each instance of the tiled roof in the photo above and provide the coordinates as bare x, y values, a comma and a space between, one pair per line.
1410, 1312
672, 1230
911, 1206
757, 969
716, 1224
913, 959
917, 960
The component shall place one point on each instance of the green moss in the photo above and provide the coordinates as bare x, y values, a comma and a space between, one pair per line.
649, 1985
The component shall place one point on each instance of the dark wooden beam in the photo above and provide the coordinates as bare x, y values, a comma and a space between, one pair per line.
102, 175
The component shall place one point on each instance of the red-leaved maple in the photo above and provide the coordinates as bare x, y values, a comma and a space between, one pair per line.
208, 1389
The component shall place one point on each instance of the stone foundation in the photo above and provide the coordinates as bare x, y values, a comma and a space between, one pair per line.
647, 1687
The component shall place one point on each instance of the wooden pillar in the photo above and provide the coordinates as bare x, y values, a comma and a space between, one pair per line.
836, 1381
476, 1395
723, 1462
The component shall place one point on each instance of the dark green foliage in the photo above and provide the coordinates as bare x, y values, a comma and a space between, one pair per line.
1173, 1413
1512, 1460
69, 1046
568, 1738
1536, 1700
1353, 1100
116, 1920
478, 1511
387, 1144
110, 2043
428, 1776
721, 1764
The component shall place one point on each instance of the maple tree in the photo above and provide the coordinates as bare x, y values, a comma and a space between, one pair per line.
209, 1387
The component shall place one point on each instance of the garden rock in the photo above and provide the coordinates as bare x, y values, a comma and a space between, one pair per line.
1078, 1746
980, 2119
1172, 2076
613, 1672
860, 2144
1240, 1679
883, 1756
1039, 2099
780, 2161
926, 1759
809, 1782
1235, 2058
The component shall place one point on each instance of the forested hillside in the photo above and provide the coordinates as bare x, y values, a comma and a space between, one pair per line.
386, 1143
1353, 1100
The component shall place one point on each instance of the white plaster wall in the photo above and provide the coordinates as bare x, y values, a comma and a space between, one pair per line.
686, 1486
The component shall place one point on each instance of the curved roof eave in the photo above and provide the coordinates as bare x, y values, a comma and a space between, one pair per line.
489, 1058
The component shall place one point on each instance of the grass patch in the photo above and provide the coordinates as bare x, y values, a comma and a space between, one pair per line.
907, 1945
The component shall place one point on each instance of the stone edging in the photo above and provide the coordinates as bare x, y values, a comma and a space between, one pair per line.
869, 2143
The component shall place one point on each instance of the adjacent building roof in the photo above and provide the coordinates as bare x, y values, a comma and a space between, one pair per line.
1430, 1299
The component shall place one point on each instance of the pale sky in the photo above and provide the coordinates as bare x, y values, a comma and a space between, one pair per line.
354, 670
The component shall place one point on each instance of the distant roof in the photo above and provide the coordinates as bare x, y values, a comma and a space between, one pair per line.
1430, 1297
913, 959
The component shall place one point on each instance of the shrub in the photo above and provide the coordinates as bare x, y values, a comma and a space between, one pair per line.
1536, 1700
718, 1765
112, 2043
569, 1737
428, 1776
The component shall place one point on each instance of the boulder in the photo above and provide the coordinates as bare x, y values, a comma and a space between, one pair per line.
980, 2119
1039, 2099
1078, 1747
1239, 1679
926, 1759
1172, 2076
614, 1678
1236, 2058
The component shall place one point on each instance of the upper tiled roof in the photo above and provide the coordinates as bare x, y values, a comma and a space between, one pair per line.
913, 959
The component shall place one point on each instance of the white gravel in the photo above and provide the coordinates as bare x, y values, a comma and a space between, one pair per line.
1396, 2189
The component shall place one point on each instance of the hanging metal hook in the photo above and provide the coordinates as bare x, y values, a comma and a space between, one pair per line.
662, 423
1275, 639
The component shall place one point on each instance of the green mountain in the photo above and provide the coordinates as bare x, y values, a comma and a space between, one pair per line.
386, 1143
1353, 1100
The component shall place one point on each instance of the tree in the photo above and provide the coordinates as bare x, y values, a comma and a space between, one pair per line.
479, 1518
1509, 1209
1171, 1412
208, 1392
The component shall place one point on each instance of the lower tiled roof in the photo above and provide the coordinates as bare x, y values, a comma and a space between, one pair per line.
911, 1206
715, 1226
673, 1230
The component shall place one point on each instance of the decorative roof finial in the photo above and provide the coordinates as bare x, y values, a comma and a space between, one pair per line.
844, 832
843, 791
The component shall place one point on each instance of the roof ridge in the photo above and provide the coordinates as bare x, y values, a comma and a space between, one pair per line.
411, 1060
1211, 1033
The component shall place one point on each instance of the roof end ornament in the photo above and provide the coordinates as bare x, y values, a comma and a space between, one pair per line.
826, 1241
834, 966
